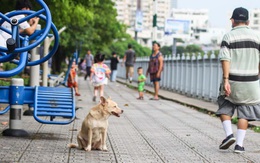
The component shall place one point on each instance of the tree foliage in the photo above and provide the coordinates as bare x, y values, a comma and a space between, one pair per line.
167, 50
193, 49
121, 46
91, 24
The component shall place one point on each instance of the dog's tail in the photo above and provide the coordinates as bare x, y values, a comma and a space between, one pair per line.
71, 145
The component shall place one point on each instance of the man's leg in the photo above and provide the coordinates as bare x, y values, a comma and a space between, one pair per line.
241, 133
227, 125
86, 73
126, 72
131, 73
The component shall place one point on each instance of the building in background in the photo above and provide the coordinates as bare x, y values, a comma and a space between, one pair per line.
126, 10
200, 31
255, 19
198, 20
174, 4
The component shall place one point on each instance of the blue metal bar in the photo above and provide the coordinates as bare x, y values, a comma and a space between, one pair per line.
4, 18
4, 93
5, 110
19, 68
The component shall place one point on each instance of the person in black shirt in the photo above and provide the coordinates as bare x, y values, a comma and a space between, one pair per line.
113, 66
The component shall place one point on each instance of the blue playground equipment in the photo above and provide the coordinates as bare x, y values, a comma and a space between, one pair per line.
52, 105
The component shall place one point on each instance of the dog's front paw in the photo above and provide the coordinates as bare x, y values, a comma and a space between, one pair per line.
87, 148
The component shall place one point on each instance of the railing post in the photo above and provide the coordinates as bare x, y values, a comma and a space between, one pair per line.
16, 96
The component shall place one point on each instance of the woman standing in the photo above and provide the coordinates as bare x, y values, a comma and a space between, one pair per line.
155, 69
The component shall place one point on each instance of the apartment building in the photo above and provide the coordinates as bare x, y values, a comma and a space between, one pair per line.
198, 20
126, 10
255, 19
174, 3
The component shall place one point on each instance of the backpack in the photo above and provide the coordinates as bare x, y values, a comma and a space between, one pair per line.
154, 63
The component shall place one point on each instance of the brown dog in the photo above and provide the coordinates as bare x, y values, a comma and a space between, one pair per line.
93, 131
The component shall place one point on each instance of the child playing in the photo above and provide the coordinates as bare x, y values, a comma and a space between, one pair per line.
99, 74
72, 79
141, 83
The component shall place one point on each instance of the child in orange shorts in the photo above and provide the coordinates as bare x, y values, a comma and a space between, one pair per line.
72, 76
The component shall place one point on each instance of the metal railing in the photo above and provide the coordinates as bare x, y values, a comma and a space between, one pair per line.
196, 76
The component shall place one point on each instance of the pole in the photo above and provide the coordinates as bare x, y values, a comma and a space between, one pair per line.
138, 9
174, 48
16, 107
154, 21
47, 43
35, 70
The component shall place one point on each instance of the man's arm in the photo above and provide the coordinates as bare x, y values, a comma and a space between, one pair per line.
124, 59
33, 26
225, 69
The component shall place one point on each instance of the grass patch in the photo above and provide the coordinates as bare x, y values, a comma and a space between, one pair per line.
203, 110
256, 129
234, 120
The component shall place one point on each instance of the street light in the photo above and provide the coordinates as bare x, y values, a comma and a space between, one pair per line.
154, 21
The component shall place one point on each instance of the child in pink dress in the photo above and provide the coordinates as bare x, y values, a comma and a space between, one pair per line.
99, 75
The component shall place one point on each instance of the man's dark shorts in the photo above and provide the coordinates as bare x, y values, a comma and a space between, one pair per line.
249, 112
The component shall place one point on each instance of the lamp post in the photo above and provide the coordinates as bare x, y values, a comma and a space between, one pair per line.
154, 35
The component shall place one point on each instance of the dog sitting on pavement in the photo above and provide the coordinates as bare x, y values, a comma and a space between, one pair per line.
93, 133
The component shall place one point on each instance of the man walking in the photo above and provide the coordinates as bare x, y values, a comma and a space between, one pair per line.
89, 61
129, 60
239, 55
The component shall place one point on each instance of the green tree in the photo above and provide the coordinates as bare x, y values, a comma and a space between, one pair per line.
193, 49
166, 50
91, 24
121, 46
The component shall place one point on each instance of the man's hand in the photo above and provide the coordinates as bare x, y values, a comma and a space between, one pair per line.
227, 88
34, 20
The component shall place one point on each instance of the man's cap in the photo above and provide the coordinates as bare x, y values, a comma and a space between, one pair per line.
240, 13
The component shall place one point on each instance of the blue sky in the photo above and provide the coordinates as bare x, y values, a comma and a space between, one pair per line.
218, 9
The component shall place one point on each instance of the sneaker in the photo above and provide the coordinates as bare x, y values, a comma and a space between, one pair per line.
77, 94
239, 149
94, 99
226, 143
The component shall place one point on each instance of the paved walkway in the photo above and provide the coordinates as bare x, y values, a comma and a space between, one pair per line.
147, 132
199, 104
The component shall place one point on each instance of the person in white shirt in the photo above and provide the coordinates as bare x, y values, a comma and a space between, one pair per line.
25, 27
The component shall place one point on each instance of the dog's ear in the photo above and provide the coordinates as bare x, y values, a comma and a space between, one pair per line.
102, 100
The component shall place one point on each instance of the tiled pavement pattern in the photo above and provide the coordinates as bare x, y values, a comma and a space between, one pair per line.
147, 132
